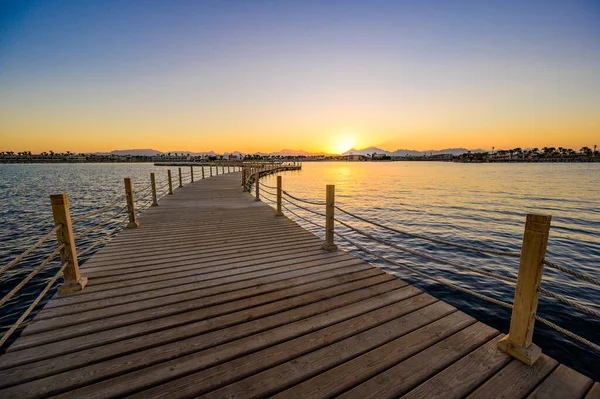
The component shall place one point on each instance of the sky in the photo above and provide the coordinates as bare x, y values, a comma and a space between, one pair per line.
250, 76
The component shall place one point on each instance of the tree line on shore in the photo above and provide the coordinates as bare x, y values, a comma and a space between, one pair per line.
511, 155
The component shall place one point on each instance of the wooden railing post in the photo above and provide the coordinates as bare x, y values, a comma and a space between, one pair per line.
170, 182
192, 173
133, 223
279, 188
244, 178
202, 172
153, 184
329, 244
68, 254
256, 185
518, 342
180, 178
216, 170
210, 169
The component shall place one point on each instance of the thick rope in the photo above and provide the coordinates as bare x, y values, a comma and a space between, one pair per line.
572, 272
302, 217
148, 187
437, 280
31, 275
30, 249
37, 300
267, 191
303, 207
97, 211
569, 302
484, 297
144, 196
103, 239
438, 241
430, 257
568, 333
102, 223
302, 200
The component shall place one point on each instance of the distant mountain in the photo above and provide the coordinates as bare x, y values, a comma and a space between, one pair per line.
136, 152
367, 151
296, 153
410, 153
148, 152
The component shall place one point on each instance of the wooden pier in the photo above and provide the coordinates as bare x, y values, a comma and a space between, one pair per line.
214, 295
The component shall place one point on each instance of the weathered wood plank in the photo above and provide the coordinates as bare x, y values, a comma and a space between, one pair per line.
403, 314
400, 378
177, 356
330, 382
465, 375
594, 392
562, 383
515, 380
212, 287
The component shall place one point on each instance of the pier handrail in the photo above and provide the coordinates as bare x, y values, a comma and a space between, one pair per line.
103, 239
31, 275
303, 200
133, 202
100, 210
29, 250
435, 240
572, 272
527, 353
102, 223
499, 277
7, 334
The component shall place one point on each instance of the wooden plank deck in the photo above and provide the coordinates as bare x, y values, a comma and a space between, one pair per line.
214, 296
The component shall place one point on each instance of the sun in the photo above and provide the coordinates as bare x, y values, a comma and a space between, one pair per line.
343, 144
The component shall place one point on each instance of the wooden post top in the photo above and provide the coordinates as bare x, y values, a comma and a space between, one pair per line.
538, 223
59, 199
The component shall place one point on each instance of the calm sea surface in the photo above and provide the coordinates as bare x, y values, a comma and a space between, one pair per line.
477, 204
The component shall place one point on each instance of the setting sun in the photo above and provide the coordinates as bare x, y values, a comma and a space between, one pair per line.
343, 144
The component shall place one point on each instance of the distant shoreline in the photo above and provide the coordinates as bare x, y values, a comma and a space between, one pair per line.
199, 162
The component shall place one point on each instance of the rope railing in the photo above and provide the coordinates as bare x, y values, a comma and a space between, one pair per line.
102, 223
97, 211
302, 217
572, 272
303, 200
103, 239
146, 188
30, 249
303, 207
436, 279
495, 301
32, 306
569, 302
568, 333
427, 256
149, 194
539, 222
31, 275
269, 192
435, 240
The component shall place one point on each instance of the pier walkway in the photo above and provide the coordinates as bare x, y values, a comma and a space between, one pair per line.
214, 296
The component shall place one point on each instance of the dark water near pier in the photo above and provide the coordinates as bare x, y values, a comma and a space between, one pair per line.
483, 205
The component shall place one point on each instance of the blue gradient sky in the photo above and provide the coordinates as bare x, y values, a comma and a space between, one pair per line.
316, 75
